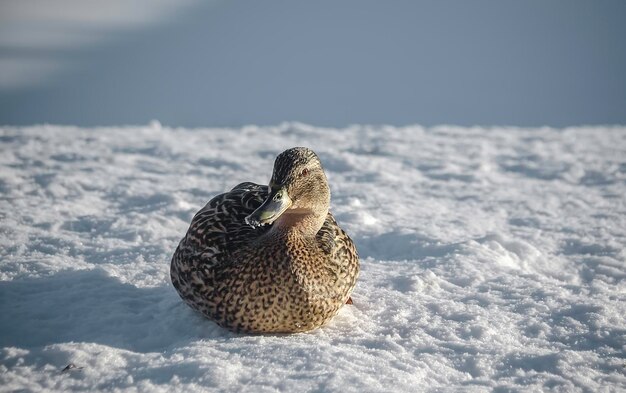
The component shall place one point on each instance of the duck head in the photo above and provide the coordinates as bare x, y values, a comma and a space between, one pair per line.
298, 188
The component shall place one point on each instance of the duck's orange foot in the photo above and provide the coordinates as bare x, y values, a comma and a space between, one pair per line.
349, 300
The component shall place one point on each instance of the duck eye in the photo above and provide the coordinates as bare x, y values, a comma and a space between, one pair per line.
305, 172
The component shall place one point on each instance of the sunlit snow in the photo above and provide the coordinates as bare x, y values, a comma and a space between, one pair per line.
491, 258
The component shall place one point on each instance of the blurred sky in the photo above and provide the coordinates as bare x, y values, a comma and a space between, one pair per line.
194, 63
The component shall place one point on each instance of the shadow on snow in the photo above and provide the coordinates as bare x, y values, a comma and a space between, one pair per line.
91, 306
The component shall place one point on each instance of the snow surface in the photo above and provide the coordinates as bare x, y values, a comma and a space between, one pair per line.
492, 259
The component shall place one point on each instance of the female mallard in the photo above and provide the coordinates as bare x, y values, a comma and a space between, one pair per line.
268, 259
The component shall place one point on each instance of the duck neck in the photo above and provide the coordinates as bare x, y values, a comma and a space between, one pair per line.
301, 222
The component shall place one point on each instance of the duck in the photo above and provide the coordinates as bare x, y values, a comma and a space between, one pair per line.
269, 259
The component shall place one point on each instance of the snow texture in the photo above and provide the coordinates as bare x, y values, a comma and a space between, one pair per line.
492, 259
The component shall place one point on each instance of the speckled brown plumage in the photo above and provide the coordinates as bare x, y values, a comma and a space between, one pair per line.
291, 275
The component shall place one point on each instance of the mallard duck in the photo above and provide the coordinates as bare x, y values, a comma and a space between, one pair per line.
269, 259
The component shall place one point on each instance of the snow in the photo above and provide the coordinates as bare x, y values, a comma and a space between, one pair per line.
492, 259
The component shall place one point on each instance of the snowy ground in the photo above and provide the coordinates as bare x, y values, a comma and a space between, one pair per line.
492, 259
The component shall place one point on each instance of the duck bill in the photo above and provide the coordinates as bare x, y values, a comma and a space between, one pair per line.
276, 203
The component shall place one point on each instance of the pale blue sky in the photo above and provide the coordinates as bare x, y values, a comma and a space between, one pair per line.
330, 63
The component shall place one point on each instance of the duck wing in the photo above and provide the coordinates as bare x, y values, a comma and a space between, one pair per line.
343, 261
219, 228
335, 241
